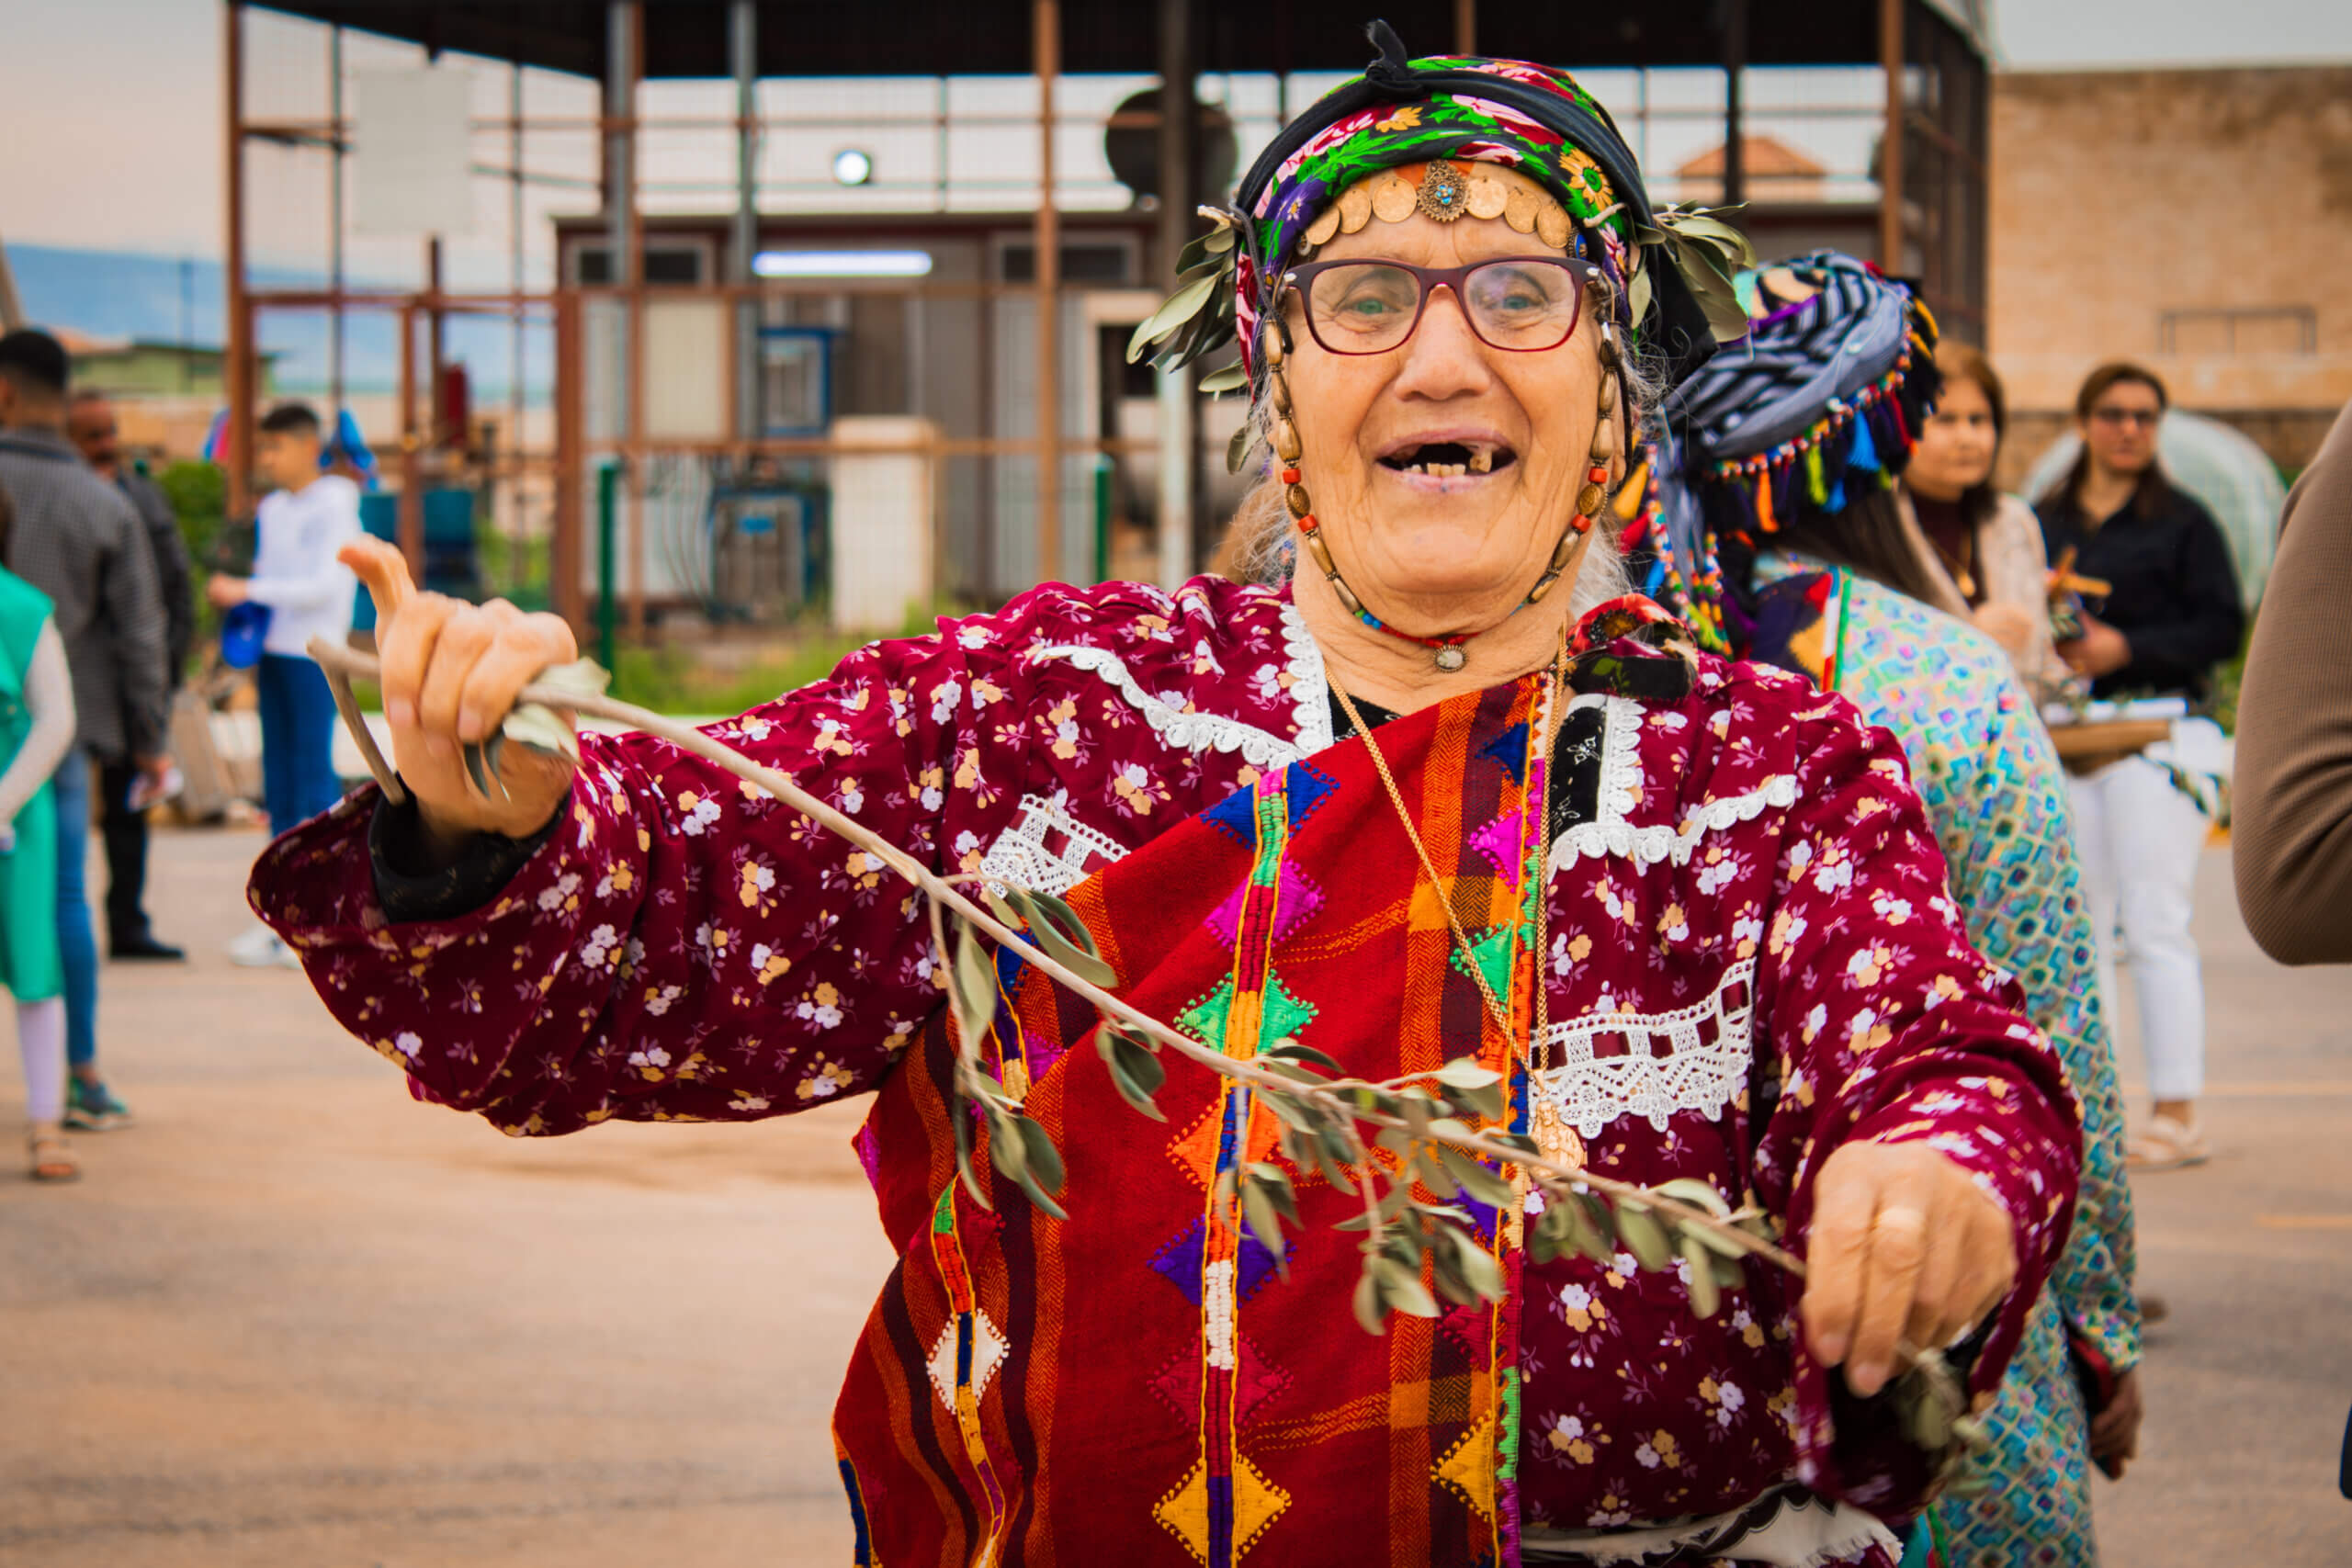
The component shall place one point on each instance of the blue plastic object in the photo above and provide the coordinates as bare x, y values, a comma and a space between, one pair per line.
241, 631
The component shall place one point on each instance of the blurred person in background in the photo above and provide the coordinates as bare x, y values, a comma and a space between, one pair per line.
90, 423
81, 543
36, 733
301, 526
1808, 425
2291, 818
1988, 561
2140, 820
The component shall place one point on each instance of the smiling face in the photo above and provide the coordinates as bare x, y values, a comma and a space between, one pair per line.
1443, 470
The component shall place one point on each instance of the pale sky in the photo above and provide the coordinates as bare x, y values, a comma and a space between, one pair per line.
109, 109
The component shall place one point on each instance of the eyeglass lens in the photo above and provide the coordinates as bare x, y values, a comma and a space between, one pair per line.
2145, 418
1367, 307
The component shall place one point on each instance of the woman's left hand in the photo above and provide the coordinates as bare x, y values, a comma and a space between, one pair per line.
1905, 1247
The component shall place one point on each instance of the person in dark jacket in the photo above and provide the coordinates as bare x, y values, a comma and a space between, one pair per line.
90, 425
2172, 614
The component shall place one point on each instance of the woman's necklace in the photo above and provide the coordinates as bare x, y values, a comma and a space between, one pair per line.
1553, 1137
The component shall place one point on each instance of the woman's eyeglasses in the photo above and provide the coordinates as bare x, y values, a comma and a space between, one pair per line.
1523, 304
2116, 419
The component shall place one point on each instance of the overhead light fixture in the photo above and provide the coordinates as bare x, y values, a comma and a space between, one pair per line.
852, 168
843, 264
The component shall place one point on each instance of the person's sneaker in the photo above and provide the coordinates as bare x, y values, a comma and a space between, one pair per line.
260, 948
92, 1108
2168, 1144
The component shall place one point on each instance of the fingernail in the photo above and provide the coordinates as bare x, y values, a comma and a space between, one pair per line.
1830, 1349
401, 711
470, 725
1866, 1378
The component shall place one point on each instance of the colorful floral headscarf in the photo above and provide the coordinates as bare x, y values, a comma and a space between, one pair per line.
1525, 117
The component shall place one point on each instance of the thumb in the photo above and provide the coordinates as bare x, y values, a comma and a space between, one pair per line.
384, 570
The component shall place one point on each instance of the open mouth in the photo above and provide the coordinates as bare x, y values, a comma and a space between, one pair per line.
1450, 459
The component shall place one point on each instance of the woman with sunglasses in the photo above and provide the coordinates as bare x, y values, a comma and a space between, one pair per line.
2140, 820
1444, 793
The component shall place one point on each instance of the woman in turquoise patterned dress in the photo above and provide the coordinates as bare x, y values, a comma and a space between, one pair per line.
1781, 530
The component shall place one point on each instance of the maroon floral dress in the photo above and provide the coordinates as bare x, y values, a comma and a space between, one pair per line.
1750, 960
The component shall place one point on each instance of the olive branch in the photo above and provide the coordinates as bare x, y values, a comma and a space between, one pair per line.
1430, 1132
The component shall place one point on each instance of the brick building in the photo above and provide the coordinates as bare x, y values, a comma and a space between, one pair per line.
2197, 220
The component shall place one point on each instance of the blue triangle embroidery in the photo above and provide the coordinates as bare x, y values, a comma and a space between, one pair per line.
1238, 815
1509, 749
1304, 789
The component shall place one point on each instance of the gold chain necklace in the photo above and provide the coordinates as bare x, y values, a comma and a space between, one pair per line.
1554, 1136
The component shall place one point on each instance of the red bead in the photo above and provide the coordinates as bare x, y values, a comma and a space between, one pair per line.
1581, 524
1308, 524
1290, 476
1599, 475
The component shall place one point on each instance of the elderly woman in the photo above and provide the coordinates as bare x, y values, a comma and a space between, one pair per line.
1689, 909
1812, 427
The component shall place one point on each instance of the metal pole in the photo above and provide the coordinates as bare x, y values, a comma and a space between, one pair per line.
1466, 27
514, 443
620, 196
411, 524
1734, 126
236, 361
744, 48
1047, 29
1890, 147
1178, 407
338, 143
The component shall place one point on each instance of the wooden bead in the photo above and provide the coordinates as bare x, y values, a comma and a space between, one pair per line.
1285, 439
1270, 344
1322, 554
1604, 442
1296, 500
1567, 547
1609, 394
1588, 500
1347, 595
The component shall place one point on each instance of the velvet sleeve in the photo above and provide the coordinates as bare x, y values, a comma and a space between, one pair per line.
680, 946
1889, 1028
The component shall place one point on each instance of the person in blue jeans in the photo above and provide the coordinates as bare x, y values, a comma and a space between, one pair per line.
301, 526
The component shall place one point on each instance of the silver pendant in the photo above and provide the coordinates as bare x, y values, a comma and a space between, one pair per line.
1451, 658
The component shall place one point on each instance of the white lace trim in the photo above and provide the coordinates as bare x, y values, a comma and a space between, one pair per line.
1620, 780
1309, 685
1191, 731
1711, 1046
1023, 855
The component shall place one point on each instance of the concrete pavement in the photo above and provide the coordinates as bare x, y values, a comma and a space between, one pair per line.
295, 1319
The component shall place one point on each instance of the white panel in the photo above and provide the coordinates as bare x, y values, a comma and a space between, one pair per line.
412, 153
687, 363
882, 526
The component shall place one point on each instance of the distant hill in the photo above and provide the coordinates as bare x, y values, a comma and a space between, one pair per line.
128, 294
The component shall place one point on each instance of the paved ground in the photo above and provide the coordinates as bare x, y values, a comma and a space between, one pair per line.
296, 1320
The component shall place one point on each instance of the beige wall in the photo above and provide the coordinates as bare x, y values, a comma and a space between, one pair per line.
2120, 196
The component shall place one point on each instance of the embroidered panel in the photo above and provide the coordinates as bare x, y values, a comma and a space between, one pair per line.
1611, 833
1702, 1066
1047, 850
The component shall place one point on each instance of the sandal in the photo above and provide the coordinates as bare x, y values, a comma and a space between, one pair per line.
2169, 1144
52, 1156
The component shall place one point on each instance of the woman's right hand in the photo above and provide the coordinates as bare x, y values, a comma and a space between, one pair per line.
450, 673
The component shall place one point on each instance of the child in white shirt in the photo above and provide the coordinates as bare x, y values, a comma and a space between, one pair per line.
308, 593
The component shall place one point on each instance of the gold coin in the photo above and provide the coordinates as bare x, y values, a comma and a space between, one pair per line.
1393, 200
1355, 208
1520, 203
1552, 225
1324, 227
1487, 198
